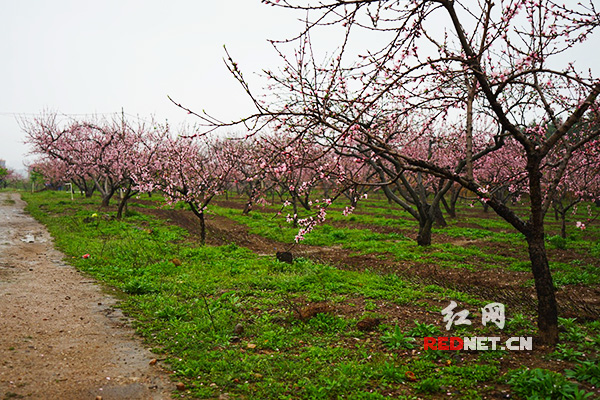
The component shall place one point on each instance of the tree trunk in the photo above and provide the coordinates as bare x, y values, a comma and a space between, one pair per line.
438, 215
563, 225
199, 212
107, 192
453, 200
560, 214
202, 228
544, 287
123, 203
486, 207
450, 211
325, 191
424, 235
84, 189
250, 202
122, 206
89, 191
106, 198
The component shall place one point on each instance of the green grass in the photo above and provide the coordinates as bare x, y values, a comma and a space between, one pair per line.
574, 273
366, 241
476, 254
544, 384
187, 300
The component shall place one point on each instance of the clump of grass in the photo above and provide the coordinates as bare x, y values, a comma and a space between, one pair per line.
586, 371
396, 339
557, 242
544, 384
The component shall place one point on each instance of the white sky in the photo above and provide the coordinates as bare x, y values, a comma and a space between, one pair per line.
81, 57
86, 57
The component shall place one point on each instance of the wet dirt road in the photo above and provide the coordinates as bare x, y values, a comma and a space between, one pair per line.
60, 335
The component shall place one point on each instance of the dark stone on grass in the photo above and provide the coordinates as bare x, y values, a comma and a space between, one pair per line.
285, 256
368, 324
176, 262
312, 310
238, 329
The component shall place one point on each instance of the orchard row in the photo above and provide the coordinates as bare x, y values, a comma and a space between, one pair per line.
136, 157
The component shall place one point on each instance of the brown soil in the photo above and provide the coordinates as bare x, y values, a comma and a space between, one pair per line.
62, 337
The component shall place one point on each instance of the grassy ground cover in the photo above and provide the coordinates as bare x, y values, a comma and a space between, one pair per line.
457, 254
229, 321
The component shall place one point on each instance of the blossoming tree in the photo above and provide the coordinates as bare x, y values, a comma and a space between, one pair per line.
443, 61
189, 170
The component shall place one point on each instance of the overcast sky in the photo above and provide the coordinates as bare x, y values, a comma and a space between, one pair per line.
82, 57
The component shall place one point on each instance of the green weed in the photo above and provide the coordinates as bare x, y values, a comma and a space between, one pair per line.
557, 242
424, 330
543, 384
396, 339
586, 371
565, 352
429, 385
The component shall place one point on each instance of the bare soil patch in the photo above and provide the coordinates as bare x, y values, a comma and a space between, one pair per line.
62, 337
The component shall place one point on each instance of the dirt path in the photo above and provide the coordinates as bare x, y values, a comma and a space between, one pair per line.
60, 337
